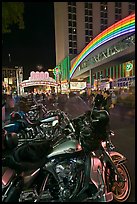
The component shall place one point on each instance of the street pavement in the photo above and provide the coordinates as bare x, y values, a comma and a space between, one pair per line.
122, 122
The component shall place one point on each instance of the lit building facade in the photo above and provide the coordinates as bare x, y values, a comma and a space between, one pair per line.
110, 56
82, 22
11, 79
77, 23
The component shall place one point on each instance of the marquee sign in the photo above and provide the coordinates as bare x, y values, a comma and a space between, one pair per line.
73, 86
39, 78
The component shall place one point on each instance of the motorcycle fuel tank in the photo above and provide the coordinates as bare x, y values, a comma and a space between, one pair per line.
68, 146
13, 127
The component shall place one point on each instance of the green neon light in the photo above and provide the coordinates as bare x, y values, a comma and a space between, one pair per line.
106, 72
122, 70
114, 71
117, 71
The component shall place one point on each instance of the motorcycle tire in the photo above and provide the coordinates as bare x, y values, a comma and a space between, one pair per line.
121, 191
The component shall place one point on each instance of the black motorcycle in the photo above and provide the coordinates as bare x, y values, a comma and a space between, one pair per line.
79, 165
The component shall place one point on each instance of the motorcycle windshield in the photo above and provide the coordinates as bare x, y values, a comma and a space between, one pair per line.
74, 107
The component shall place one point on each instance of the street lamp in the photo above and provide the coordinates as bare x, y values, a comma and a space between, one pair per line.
9, 57
39, 67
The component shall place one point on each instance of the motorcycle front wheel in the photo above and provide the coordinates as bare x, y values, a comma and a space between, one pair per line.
121, 190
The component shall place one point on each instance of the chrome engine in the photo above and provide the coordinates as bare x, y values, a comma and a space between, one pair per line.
44, 131
68, 176
67, 172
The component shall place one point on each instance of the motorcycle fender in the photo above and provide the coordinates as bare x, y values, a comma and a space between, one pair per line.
119, 158
7, 176
94, 174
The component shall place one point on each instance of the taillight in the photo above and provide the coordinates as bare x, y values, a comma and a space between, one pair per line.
78, 147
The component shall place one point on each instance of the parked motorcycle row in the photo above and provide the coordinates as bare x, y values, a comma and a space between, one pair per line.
62, 156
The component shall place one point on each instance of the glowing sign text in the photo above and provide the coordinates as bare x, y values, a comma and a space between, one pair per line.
34, 76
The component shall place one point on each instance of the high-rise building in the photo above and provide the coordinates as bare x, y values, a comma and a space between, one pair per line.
77, 23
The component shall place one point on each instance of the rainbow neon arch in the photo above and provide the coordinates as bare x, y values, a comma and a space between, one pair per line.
124, 26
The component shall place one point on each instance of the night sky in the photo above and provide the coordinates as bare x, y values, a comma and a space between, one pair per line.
35, 45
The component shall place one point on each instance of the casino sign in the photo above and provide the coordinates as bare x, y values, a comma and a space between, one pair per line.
38, 78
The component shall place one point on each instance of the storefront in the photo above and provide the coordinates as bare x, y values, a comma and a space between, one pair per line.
120, 75
74, 87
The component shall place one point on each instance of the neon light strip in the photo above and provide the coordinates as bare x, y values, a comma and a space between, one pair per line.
126, 25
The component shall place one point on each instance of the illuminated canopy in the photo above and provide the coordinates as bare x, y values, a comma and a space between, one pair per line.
39, 78
122, 27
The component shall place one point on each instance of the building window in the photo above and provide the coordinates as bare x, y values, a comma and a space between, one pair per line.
70, 50
90, 19
75, 44
69, 9
89, 5
75, 51
86, 25
70, 23
70, 16
86, 32
118, 11
86, 12
74, 31
102, 27
72, 26
87, 39
86, 18
90, 12
103, 16
88, 22
74, 38
90, 32
86, 5
70, 37
72, 3
70, 44
131, 7
118, 4
74, 9
74, 16
90, 26
74, 23
70, 30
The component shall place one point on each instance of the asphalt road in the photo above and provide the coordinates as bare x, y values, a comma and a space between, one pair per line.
122, 122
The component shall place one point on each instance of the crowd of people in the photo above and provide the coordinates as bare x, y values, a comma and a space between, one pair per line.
103, 100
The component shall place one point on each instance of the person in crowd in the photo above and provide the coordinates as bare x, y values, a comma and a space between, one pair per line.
107, 102
84, 96
11, 102
3, 107
98, 99
114, 98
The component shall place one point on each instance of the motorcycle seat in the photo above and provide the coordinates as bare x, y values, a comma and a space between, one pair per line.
28, 157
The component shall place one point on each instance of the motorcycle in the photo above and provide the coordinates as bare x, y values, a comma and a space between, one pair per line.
80, 165
28, 130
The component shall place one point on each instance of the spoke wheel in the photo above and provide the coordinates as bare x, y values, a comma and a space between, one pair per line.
121, 190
